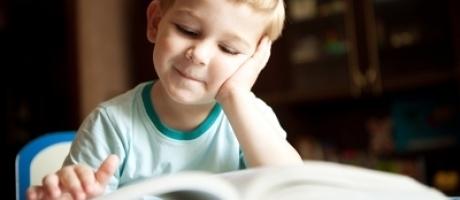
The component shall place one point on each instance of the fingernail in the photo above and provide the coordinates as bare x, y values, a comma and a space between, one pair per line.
268, 41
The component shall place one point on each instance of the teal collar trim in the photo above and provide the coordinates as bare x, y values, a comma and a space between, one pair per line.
173, 133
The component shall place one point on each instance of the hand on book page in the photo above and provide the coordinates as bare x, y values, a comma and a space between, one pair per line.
313, 180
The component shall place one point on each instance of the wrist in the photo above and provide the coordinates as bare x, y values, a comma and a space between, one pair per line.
232, 96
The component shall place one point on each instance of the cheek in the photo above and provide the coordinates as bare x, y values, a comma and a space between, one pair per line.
159, 63
165, 50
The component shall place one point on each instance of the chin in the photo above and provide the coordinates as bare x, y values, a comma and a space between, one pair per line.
189, 98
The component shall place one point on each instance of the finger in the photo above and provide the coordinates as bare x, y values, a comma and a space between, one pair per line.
35, 193
265, 48
51, 186
107, 169
70, 181
66, 196
262, 53
86, 176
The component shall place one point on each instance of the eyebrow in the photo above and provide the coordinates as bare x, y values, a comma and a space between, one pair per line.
229, 36
187, 12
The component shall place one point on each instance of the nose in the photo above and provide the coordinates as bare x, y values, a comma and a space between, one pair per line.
199, 53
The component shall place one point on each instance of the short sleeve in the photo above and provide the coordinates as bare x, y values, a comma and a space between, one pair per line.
96, 139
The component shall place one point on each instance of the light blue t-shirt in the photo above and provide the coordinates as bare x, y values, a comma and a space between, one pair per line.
129, 127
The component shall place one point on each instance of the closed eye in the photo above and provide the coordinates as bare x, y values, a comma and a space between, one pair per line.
229, 50
186, 31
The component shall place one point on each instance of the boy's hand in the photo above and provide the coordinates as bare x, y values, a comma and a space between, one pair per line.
75, 182
246, 75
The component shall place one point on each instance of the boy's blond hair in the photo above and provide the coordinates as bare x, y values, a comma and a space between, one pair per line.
273, 8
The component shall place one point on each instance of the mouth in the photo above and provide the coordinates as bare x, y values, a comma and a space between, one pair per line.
186, 76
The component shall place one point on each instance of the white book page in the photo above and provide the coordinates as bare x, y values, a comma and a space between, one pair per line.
311, 180
184, 185
327, 180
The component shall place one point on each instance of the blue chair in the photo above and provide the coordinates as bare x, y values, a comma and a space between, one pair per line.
39, 157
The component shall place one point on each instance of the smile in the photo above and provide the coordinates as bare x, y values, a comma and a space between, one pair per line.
186, 76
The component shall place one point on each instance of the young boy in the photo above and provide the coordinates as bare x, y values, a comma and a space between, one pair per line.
199, 115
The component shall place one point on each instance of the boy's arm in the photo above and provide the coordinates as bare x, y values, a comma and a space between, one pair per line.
260, 136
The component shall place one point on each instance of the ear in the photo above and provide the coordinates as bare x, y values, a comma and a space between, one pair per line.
153, 20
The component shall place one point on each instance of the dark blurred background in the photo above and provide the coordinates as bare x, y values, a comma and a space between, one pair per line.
373, 83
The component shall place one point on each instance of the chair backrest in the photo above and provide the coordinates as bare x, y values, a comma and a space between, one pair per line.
39, 157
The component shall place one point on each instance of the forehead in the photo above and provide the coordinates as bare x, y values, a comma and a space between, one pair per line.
224, 16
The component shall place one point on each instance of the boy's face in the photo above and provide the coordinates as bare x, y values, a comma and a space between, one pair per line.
199, 44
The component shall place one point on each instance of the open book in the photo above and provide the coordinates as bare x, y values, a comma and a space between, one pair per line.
312, 180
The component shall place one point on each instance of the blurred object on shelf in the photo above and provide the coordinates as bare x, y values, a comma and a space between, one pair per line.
302, 9
446, 180
423, 124
357, 157
410, 166
406, 37
310, 149
333, 44
381, 139
413, 167
306, 50
310, 48
331, 8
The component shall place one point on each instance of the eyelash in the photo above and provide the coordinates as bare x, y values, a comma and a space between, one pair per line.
186, 31
191, 33
228, 51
